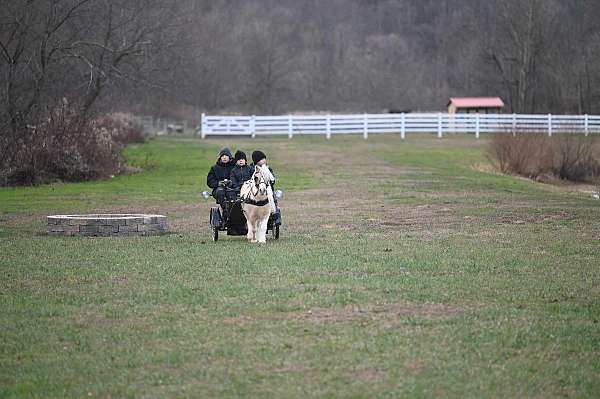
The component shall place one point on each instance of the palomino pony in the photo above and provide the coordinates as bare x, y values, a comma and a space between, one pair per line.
258, 202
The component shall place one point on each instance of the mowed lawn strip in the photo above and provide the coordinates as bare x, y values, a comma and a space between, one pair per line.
403, 269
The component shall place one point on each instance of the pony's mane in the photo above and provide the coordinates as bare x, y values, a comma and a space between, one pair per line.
266, 173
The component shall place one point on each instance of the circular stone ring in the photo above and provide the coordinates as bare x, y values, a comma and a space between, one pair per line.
107, 225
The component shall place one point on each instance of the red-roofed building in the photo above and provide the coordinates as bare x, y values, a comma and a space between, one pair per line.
475, 105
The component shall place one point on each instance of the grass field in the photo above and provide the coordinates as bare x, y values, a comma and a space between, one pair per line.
404, 269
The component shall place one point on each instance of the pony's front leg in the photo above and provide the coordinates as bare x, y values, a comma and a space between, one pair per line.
256, 227
262, 230
251, 231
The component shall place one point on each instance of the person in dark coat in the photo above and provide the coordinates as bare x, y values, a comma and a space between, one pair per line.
241, 172
219, 174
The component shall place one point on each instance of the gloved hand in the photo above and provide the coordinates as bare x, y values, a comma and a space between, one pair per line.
224, 183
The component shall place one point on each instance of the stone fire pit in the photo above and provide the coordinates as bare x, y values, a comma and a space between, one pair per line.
107, 225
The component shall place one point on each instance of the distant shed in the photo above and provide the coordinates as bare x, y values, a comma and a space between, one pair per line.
475, 105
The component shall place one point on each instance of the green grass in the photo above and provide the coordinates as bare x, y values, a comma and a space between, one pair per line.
175, 172
403, 270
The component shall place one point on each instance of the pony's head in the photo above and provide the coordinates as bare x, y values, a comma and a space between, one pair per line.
259, 181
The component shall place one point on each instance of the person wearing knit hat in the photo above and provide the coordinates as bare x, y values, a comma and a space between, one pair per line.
239, 155
241, 172
259, 158
219, 174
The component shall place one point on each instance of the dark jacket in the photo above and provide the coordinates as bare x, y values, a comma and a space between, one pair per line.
218, 172
239, 174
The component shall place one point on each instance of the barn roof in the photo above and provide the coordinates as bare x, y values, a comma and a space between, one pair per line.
476, 102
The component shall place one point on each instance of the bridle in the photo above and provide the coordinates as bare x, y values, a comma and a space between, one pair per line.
258, 186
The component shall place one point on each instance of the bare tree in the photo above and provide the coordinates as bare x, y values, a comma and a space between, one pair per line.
55, 53
522, 32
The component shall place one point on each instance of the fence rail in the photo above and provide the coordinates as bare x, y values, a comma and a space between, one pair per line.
366, 124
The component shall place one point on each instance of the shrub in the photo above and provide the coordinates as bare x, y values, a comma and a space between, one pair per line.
567, 156
122, 130
574, 158
524, 154
66, 147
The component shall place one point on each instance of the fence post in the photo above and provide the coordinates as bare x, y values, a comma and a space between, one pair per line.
550, 125
476, 126
402, 126
328, 127
203, 126
253, 126
586, 126
365, 127
514, 124
439, 125
290, 132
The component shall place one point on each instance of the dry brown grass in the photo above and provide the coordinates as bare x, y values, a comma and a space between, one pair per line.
538, 156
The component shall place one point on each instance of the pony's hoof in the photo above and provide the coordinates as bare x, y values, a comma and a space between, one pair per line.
253, 241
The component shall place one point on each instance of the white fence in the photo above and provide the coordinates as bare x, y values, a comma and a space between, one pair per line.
365, 124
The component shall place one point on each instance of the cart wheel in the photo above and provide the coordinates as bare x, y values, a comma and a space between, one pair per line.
215, 233
276, 235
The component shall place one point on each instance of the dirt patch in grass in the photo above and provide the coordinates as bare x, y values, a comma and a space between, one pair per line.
532, 218
93, 317
27, 223
350, 197
290, 368
520, 214
371, 374
121, 315
375, 313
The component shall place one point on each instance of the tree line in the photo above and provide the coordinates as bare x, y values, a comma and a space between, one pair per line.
68, 60
273, 56
277, 56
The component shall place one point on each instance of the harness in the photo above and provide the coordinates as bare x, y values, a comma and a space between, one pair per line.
247, 200
253, 202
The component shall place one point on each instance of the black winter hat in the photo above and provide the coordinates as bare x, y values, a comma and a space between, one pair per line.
225, 151
240, 155
257, 156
